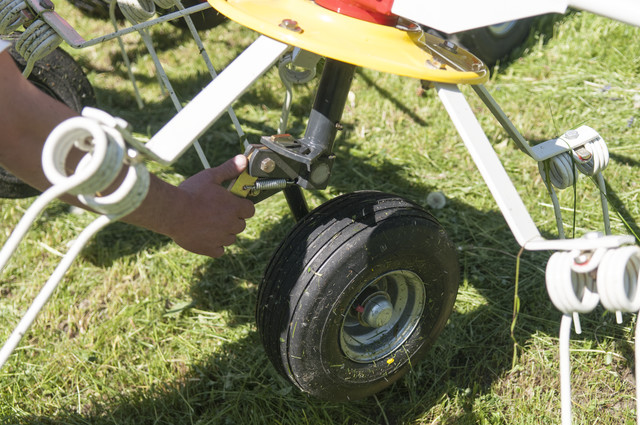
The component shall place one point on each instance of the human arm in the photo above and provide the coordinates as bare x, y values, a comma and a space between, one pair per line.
200, 215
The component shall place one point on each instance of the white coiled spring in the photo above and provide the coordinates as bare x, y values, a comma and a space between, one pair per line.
590, 159
576, 282
165, 4
618, 279
105, 155
137, 11
561, 171
570, 291
11, 16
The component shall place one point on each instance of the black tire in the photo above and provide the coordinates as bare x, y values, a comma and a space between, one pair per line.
365, 266
98, 9
59, 76
203, 20
494, 43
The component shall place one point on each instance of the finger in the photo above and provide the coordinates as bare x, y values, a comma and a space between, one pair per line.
228, 240
238, 226
216, 252
246, 209
229, 169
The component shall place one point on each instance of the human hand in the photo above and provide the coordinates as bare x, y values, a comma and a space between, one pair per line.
211, 215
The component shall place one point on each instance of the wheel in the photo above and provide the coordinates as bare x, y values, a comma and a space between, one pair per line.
356, 294
203, 20
60, 77
494, 42
98, 9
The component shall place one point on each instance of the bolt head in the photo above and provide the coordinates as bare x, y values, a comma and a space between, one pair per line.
291, 25
571, 134
268, 165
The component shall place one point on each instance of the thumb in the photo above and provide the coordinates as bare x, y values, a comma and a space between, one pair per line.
230, 169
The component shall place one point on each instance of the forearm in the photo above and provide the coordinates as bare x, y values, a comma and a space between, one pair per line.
199, 215
27, 116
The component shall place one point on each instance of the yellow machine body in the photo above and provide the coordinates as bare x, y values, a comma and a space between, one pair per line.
304, 24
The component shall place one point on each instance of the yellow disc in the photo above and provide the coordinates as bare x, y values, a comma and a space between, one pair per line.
304, 24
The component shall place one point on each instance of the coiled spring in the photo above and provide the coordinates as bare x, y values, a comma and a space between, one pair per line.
38, 38
576, 283
105, 155
590, 159
561, 171
11, 15
137, 11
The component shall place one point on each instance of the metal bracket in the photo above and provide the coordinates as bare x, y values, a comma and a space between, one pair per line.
45, 9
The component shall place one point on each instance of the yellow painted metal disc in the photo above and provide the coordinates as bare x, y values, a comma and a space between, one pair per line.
304, 24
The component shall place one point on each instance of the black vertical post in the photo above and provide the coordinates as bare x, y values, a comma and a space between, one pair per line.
324, 119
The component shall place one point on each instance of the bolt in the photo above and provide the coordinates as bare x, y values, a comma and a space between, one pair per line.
291, 25
268, 165
47, 4
450, 46
571, 134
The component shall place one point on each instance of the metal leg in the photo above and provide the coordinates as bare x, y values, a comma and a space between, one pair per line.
296, 201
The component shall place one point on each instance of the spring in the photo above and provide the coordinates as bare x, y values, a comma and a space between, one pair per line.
270, 184
596, 158
590, 159
36, 42
165, 4
137, 11
103, 160
98, 168
618, 279
561, 172
570, 292
11, 17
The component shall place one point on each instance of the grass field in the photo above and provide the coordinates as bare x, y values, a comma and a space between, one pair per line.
142, 332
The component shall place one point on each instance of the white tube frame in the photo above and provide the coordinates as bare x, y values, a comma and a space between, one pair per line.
168, 144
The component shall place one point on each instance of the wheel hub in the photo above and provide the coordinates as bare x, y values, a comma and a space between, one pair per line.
382, 316
376, 311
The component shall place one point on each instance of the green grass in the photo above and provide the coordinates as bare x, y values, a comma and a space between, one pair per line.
142, 332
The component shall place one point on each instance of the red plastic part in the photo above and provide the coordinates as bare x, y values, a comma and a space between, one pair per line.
376, 11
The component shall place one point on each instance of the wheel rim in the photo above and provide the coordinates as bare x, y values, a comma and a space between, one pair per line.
501, 30
382, 316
